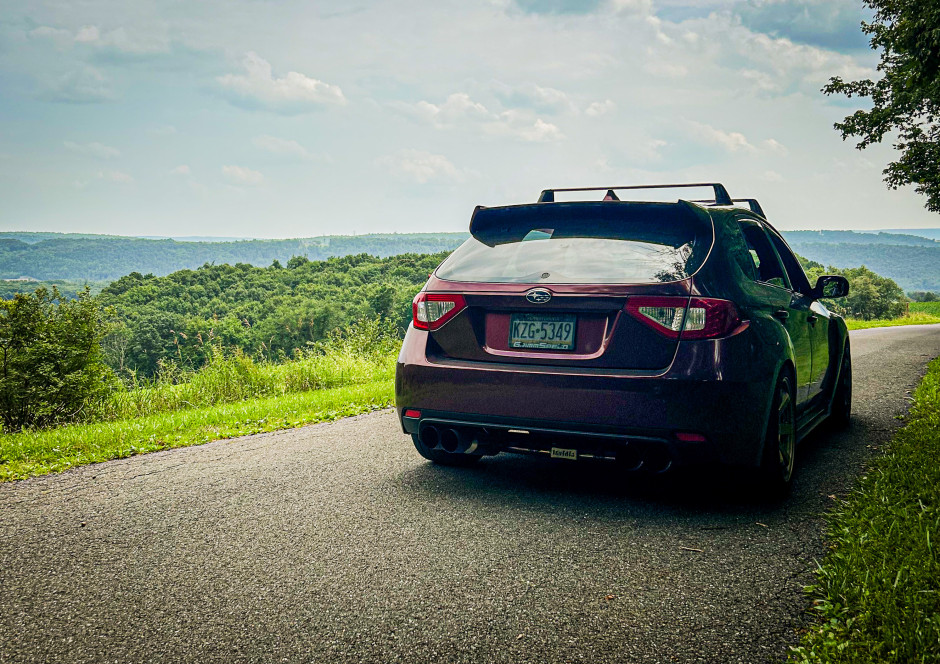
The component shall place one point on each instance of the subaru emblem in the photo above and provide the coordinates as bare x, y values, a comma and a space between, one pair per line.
538, 296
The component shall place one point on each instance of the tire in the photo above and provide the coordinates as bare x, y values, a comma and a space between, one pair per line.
841, 414
776, 472
443, 458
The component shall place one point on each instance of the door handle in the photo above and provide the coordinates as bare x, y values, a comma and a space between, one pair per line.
812, 319
782, 314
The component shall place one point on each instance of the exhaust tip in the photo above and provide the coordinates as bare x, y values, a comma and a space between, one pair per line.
658, 460
629, 458
450, 440
430, 436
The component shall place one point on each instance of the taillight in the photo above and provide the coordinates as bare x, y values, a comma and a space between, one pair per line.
694, 318
431, 310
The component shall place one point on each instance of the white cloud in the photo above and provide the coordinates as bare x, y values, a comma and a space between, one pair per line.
732, 141
83, 85
294, 92
773, 145
98, 150
667, 69
421, 167
117, 177
459, 110
182, 169
48, 32
772, 176
87, 34
281, 146
530, 95
598, 108
243, 176
519, 124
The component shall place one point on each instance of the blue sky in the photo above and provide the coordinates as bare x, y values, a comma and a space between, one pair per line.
282, 118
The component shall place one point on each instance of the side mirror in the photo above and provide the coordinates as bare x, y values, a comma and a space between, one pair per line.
830, 286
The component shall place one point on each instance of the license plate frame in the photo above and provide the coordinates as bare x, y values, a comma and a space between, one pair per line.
555, 338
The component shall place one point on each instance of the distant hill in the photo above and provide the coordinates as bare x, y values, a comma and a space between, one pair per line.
48, 256
911, 259
856, 237
932, 233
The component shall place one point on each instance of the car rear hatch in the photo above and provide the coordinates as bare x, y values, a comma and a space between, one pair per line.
594, 285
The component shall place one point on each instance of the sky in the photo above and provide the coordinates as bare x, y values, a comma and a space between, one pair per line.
289, 118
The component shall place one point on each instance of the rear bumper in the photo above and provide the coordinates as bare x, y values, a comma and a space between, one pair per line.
716, 388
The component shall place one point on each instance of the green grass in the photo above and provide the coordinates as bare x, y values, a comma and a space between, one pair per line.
915, 317
33, 453
877, 592
229, 378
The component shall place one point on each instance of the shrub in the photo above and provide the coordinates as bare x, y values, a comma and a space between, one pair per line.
50, 358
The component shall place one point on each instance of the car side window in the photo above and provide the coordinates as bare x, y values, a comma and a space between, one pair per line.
762, 253
791, 264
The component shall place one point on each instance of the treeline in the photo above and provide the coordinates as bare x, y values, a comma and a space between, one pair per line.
270, 312
871, 296
105, 258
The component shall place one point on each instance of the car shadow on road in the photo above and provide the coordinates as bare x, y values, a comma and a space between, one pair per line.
827, 464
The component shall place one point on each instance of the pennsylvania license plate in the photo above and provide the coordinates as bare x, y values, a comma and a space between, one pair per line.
546, 331
562, 453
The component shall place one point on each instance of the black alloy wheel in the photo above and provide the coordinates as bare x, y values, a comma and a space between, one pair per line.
842, 399
780, 441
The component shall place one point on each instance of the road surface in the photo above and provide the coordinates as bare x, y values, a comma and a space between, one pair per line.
337, 543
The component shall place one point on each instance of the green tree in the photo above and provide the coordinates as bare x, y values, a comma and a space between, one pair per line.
906, 99
51, 362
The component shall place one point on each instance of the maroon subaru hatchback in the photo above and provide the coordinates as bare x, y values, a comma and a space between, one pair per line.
651, 334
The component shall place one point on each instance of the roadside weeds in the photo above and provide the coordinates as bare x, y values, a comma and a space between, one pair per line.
877, 592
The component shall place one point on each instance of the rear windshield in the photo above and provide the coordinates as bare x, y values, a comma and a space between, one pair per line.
645, 244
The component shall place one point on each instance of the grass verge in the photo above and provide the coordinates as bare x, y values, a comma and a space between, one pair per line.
912, 318
877, 592
32, 453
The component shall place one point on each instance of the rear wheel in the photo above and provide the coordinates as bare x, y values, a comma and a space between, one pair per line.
842, 399
780, 441
442, 457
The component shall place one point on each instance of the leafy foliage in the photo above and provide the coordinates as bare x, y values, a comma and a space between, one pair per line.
274, 312
50, 358
906, 99
870, 297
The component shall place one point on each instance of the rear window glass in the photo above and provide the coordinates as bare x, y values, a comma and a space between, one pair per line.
628, 248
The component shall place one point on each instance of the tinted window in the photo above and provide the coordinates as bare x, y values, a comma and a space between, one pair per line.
765, 260
794, 269
638, 249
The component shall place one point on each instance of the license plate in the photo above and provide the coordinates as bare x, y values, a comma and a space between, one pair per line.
547, 331
561, 453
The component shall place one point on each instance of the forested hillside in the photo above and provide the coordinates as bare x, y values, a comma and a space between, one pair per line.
105, 258
267, 311
912, 261
914, 268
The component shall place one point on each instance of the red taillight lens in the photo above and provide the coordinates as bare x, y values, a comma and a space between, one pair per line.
694, 318
431, 310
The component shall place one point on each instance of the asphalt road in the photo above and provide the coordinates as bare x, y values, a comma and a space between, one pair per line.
337, 543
